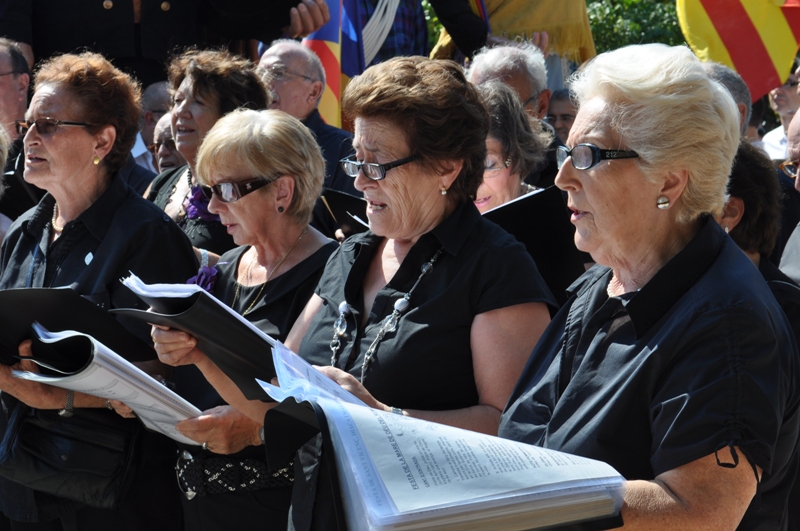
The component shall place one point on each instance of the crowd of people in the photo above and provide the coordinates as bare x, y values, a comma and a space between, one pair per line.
674, 358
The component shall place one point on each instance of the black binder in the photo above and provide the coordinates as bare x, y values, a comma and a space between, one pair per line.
540, 221
342, 207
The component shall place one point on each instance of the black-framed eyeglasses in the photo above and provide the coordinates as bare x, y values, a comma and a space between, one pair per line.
372, 170
168, 143
790, 167
45, 126
231, 192
585, 156
791, 83
9, 73
278, 72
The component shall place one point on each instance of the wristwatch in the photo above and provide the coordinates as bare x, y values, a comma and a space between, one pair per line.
261, 434
67, 411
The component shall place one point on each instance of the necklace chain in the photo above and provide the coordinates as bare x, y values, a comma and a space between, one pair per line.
389, 323
269, 275
53, 223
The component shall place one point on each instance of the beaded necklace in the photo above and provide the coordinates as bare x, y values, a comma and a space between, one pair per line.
389, 323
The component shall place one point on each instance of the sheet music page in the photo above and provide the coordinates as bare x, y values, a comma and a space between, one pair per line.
112, 377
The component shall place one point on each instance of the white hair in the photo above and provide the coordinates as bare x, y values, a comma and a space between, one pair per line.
666, 108
516, 58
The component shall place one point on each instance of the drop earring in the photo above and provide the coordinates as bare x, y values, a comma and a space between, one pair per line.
444, 190
662, 203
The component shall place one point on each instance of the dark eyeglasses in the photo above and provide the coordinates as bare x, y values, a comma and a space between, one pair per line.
789, 167
278, 72
372, 170
790, 83
9, 73
230, 192
169, 143
585, 156
45, 126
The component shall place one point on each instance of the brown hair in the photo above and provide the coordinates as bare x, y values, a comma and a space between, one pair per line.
218, 72
107, 95
440, 113
753, 180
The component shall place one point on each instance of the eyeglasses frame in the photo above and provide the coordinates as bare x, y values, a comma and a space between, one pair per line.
56, 124
241, 188
598, 155
383, 167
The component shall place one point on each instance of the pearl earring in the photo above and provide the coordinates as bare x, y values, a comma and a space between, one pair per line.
444, 190
662, 203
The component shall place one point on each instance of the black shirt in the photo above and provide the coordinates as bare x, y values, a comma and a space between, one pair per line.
118, 233
209, 235
274, 312
427, 362
700, 358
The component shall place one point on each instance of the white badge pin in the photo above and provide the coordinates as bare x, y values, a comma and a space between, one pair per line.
88, 258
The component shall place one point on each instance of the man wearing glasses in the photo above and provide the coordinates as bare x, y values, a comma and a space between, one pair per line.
785, 101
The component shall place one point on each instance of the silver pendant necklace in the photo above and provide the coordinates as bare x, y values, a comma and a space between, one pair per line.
389, 323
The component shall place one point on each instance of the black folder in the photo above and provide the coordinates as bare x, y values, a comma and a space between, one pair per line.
237, 350
540, 221
342, 207
60, 309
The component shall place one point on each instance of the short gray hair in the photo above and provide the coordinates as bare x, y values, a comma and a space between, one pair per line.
313, 68
666, 108
732, 81
518, 57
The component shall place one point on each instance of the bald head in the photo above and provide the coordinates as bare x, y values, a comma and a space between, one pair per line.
156, 102
295, 76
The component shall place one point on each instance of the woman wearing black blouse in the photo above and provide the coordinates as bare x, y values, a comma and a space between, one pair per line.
434, 310
206, 85
89, 231
264, 172
671, 361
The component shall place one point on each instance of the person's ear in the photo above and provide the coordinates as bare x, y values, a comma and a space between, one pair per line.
732, 213
448, 172
542, 103
315, 93
23, 81
283, 188
150, 118
104, 141
674, 185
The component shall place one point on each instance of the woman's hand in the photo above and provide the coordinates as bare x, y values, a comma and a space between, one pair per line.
352, 385
33, 394
223, 429
175, 347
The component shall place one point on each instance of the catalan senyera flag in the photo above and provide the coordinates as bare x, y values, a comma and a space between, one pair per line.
339, 47
757, 38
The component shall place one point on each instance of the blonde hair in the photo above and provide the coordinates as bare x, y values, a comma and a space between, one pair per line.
666, 108
270, 143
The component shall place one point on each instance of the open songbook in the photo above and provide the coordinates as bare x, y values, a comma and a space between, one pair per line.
75, 361
233, 343
402, 473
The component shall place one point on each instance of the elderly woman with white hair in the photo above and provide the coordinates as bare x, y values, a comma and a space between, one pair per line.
262, 172
671, 360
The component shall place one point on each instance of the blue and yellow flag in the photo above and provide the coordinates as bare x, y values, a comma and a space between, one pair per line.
338, 45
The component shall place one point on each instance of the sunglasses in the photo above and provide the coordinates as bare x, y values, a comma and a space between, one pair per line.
45, 126
231, 192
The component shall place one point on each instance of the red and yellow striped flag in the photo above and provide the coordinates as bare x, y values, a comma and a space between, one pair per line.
757, 38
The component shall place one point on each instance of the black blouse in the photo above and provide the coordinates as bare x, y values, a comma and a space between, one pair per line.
427, 362
701, 358
209, 235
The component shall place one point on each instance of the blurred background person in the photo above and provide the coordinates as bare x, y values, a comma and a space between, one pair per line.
515, 147
156, 102
165, 154
89, 231
561, 113
206, 85
785, 101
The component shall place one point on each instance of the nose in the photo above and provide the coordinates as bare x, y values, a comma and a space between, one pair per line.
31, 136
362, 182
215, 206
566, 179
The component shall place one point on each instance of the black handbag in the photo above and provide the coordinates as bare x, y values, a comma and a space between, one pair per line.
90, 457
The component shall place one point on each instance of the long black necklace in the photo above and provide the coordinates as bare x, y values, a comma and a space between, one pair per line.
389, 323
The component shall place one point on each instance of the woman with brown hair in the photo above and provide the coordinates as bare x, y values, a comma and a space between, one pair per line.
90, 230
206, 85
438, 308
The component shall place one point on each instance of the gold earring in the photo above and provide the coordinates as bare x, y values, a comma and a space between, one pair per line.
96, 160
